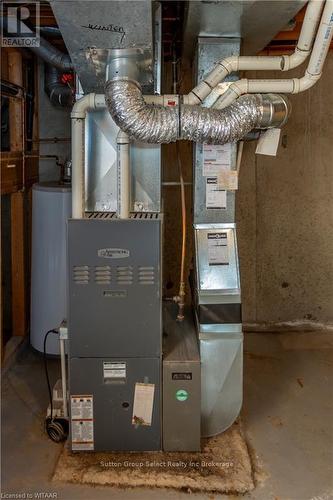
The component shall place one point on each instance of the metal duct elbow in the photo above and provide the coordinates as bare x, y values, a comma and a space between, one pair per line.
141, 121
158, 124
58, 92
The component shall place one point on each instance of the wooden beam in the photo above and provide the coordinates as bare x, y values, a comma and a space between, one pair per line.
18, 264
15, 75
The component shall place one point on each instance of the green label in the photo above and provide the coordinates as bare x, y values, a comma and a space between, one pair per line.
182, 395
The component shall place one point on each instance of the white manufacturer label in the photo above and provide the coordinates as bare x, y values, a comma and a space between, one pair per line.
216, 197
143, 404
112, 370
82, 422
218, 249
215, 157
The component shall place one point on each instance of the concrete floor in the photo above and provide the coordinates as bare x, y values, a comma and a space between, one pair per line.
287, 414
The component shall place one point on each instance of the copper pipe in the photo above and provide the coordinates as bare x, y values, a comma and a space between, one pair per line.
181, 293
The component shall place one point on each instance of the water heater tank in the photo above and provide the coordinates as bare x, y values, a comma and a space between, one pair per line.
51, 207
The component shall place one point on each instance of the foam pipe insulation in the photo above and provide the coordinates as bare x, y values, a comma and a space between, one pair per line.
159, 124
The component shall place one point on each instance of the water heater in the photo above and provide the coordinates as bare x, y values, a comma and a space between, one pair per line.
51, 208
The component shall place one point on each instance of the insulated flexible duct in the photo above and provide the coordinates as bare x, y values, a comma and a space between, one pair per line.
215, 127
158, 124
141, 121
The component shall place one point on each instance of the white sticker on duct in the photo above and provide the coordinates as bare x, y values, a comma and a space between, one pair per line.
215, 157
143, 404
218, 254
114, 371
268, 142
228, 179
82, 422
216, 197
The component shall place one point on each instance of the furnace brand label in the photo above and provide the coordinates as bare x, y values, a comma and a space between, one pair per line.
216, 197
114, 371
143, 404
218, 249
82, 422
113, 253
182, 376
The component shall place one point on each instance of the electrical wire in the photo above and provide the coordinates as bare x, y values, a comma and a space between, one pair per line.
56, 429
47, 372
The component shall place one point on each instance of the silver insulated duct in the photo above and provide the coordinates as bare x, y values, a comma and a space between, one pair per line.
159, 124
141, 121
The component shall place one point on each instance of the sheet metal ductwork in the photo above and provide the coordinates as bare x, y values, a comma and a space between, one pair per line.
160, 124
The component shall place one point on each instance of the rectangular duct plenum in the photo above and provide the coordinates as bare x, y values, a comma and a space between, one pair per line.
91, 29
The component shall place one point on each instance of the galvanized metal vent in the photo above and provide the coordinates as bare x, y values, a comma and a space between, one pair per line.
144, 215
113, 215
101, 215
146, 275
81, 275
102, 275
124, 275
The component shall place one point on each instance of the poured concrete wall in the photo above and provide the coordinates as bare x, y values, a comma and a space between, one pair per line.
285, 214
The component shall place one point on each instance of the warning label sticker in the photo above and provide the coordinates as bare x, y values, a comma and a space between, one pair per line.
218, 249
143, 404
215, 157
82, 422
216, 197
82, 435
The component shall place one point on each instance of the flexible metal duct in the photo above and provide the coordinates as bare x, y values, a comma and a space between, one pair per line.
158, 124
212, 126
141, 121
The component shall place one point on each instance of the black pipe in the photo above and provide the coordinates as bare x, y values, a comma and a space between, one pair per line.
59, 93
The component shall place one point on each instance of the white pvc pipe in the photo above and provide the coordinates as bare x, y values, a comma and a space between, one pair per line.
281, 63
124, 176
322, 42
63, 377
293, 85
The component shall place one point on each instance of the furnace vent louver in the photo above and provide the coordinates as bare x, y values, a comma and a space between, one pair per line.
103, 275
146, 275
113, 215
124, 275
81, 275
